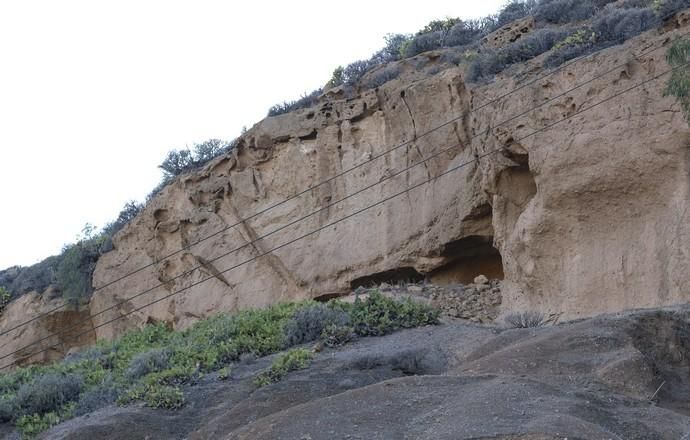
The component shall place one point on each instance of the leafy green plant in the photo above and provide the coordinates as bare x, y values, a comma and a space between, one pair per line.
8, 409
48, 393
337, 78
678, 85
142, 364
336, 335
155, 396
295, 359
32, 425
579, 37
308, 323
177, 162
379, 315
224, 373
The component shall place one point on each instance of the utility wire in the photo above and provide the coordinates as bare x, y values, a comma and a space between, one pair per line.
248, 244
328, 180
380, 202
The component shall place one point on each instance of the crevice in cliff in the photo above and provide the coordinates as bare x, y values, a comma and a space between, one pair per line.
515, 185
310, 136
66, 336
467, 258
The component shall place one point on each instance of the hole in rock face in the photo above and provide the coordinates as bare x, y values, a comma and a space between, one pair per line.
467, 258
310, 136
403, 274
161, 215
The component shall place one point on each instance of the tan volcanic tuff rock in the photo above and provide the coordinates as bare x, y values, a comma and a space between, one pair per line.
59, 328
586, 217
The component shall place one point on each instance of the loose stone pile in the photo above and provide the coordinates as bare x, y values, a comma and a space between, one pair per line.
479, 301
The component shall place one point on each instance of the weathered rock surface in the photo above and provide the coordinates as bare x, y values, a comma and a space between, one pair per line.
59, 327
586, 217
594, 379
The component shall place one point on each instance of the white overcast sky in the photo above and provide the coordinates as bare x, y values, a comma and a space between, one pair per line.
94, 93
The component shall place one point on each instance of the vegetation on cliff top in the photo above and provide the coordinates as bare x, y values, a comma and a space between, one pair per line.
571, 28
152, 364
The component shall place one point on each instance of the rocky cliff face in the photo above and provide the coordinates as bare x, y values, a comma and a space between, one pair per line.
587, 216
57, 329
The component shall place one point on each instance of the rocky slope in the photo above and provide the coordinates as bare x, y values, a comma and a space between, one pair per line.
613, 377
588, 216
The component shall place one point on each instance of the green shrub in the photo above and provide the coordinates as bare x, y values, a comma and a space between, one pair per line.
178, 162
337, 335
489, 63
155, 396
565, 11
176, 375
579, 37
308, 323
126, 215
295, 359
306, 100
75, 270
515, 10
379, 315
120, 353
150, 361
224, 373
166, 396
32, 425
678, 84
580, 42
8, 409
617, 25
48, 393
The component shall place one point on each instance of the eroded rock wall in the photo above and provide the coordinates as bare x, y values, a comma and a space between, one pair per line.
55, 330
589, 216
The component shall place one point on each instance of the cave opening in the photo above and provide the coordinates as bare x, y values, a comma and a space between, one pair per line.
467, 258
393, 276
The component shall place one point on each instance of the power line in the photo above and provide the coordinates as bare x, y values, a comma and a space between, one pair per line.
380, 202
385, 178
328, 180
